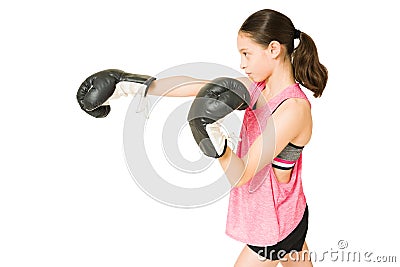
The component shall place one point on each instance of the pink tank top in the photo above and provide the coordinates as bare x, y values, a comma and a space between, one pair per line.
264, 211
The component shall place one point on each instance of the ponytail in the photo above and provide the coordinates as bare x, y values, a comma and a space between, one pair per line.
308, 71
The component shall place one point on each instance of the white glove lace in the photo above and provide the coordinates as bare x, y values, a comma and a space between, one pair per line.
218, 134
124, 89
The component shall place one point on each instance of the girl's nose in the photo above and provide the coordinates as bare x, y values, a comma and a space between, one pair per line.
242, 64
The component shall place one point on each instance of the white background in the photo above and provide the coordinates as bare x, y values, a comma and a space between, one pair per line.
66, 196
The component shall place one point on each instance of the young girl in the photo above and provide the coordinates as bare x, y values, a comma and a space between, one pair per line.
267, 207
272, 219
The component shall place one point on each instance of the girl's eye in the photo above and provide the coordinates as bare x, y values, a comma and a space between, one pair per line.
245, 54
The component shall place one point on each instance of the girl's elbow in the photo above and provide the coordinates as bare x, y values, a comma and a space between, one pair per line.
243, 180
247, 175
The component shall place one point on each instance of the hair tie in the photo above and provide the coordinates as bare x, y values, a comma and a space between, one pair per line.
297, 34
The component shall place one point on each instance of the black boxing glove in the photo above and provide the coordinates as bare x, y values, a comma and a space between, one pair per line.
214, 101
98, 88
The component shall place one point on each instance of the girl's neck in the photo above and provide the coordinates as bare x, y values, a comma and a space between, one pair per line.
281, 78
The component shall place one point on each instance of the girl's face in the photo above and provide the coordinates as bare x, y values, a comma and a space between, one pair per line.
255, 60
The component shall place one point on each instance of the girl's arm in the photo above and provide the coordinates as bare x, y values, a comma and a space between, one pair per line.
281, 128
180, 86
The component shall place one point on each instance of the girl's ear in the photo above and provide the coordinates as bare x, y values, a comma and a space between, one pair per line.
274, 49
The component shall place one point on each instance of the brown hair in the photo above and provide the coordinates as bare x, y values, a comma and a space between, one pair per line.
269, 25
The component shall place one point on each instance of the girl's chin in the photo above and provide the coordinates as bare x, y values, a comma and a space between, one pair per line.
256, 79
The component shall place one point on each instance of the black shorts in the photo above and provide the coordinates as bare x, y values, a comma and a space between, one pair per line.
293, 242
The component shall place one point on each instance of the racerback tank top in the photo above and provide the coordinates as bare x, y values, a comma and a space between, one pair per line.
264, 211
